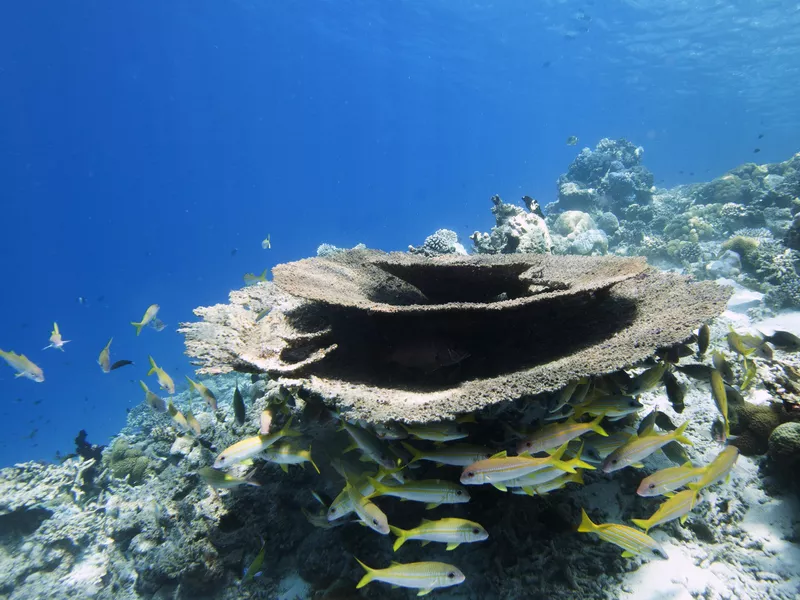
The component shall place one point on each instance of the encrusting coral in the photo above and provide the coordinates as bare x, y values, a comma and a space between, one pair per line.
395, 337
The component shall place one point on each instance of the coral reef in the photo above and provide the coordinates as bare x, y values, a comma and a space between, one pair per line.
515, 230
445, 336
443, 241
784, 445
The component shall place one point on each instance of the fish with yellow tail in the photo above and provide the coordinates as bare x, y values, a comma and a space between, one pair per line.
164, 380
432, 491
720, 399
286, 455
23, 366
632, 453
371, 447
676, 507
613, 408
251, 279
178, 417
222, 480
104, 360
718, 469
55, 339
554, 484
205, 393
670, 479
457, 455
501, 467
422, 576
632, 541
249, 447
369, 513
149, 315
556, 434
544, 476
152, 400
452, 532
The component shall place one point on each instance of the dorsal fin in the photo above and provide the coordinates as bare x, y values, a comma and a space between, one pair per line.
502, 454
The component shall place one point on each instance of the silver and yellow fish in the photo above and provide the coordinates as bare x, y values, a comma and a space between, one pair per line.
632, 541
149, 315
55, 339
717, 469
432, 491
557, 434
669, 479
23, 366
676, 507
639, 448
249, 447
104, 360
452, 532
501, 467
424, 576
205, 393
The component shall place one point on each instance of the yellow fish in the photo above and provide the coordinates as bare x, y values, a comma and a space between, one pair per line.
556, 434
178, 417
223, 480
369, 513
431, 491
105, 357
669, 479
287, 455
677, 507
23, 366
633, 541
447, 531
424, 576
720, 398
266, 244
155, 402
149, 315
55, 339
639, 448
164, 380
501, 467
718, 468
251, 446
205, 393
250, 279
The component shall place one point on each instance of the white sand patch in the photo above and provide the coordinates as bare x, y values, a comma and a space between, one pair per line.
293, 587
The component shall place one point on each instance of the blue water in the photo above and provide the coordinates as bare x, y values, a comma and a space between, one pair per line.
141, 143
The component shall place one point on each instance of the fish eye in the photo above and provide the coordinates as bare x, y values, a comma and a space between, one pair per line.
613, 462
528, 444
458, 492
476, 531
331, 511
657, 552
374, 521
451, 575
470, 474
652, 486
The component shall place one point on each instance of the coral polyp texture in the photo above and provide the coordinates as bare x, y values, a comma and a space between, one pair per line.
398, 337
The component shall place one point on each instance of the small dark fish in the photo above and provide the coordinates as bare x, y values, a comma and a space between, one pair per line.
234, 251
676, 392
664, 422
718, 430
572, 140
756, 150
760, 135
675, 452
121, 363
691, 173
238, 405
695, 371
703, 339
681, 172
82, 301
784, 340
647, 423
724, 368
546, 64
32, 434
254, 377
734, 396
37, 402
674, 353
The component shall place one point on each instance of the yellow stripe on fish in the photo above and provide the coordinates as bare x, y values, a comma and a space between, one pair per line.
669, 479
369, 513
556, 434
639, 448
433, 491
448, 531
457, 455
23, 366
205, 393
424, 576
500, 468
164, 380
633, 541
251, 446
718, 468
677, 507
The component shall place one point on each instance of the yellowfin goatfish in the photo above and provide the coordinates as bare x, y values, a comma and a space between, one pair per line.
556, 434
722, 365
456, 455
266, 244
448, 531
205, 393
424, 576
633, 541
251, 279
389, 431
254, 570
445, 431
720, 398
369, 513
543, 476
368, 444
501, 467
104, 359
286, 455
193, 422
153, 401
555, 484
223, 480
677, 507
639, 448
164, 380
178, 417
736, 344
669, 479
23, 366
249, 447
598, 447
55, 339
433, 491
612, 407
149, 315
718, 469
703, 340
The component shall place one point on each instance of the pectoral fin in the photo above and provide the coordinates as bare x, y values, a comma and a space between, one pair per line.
627, 554
431, 505
453, 546
500, 486
284, 468
424, 592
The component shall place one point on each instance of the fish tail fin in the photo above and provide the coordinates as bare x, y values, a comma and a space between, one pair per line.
577, 477
415, 454
379, 487
138, 327
401, 537
144, 386
595, 426
368, 576
566, 466
586, 525
287, 432
311, 460
679, 437
556, 456
153, 365
642, 524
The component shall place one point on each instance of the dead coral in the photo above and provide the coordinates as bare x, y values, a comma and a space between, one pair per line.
400, 337
753, 424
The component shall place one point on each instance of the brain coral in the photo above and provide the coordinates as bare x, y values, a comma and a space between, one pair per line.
401, 337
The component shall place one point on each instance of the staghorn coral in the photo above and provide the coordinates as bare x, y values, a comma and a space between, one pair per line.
449, 335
